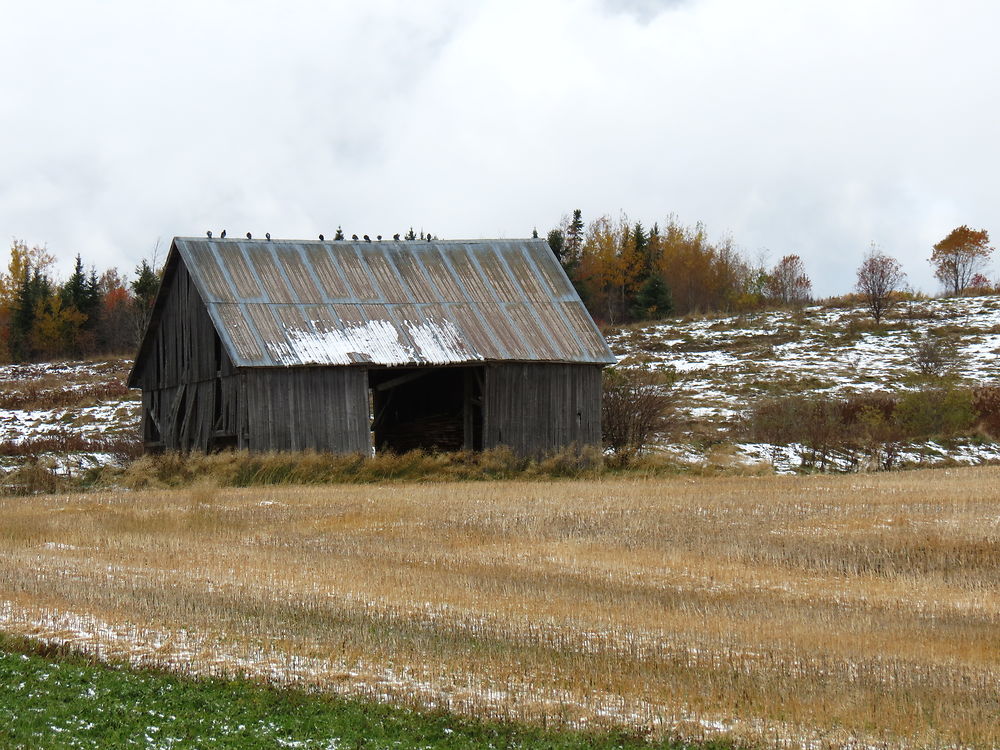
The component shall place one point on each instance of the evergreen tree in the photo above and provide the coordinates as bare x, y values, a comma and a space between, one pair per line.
147, 281
74, 291
641, 242
653, 247
81, 294
339, 234
94, 296
144, 287
411, 235
574, 238
557, 243
534, 233
32, 296
652, 300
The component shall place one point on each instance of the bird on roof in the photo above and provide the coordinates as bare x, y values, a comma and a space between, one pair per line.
396, 236
378, 237
321, 238
223, 235
209, 233
249, 236
354, 237
268, 236
428, 236
367, 238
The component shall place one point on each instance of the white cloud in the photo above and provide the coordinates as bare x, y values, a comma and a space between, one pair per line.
797, 127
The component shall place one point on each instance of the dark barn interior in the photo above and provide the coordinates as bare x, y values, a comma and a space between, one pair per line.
351, 346
429, 408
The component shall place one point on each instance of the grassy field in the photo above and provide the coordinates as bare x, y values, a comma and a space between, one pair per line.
829, 610
51, 701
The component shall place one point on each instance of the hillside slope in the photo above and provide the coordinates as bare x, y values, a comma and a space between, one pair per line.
725, 365
75, 415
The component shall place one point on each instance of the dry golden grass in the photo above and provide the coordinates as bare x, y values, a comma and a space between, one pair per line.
836, 611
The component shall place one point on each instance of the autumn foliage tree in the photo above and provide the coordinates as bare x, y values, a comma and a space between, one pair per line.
42, 318
608, 271
960, 256
787, 283
626, 272
879, 280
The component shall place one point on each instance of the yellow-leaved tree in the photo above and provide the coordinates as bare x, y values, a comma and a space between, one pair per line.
609, 268
17, 307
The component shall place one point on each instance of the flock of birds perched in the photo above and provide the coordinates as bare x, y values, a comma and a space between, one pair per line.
267, 235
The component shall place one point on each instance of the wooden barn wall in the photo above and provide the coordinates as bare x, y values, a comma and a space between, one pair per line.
189, 388
538, 408
302, 408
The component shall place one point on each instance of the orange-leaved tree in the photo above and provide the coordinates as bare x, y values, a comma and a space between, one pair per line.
960, 256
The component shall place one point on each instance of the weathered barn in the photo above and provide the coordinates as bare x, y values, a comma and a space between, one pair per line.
339, 346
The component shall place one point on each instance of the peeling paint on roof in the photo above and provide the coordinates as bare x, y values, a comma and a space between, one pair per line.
287, 303
376, 342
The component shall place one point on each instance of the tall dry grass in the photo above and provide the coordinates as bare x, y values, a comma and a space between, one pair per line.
825, 610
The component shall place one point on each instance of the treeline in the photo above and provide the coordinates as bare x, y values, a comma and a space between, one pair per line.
627, 272
88, 314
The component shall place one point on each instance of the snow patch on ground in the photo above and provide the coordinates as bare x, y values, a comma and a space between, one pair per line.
724, 365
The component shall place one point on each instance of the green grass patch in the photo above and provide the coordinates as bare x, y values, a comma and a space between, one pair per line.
51, 698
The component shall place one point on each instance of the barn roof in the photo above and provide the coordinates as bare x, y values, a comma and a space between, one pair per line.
285, 303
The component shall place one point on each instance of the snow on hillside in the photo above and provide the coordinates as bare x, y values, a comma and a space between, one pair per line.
725, 364
74, 415
68, 415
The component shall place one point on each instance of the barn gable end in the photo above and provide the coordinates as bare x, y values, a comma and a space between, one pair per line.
187, 377
343, 346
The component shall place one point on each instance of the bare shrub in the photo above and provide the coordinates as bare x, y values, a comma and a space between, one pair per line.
986, 406
871, 435
638, 403
864, 431
124, 448
34, 395
813, 423
935, 355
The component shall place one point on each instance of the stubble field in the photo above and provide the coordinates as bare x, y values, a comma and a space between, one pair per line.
827, 610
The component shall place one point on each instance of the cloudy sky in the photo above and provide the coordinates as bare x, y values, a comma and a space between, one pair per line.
813, 127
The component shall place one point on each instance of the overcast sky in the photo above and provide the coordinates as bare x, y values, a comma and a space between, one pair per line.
809, 127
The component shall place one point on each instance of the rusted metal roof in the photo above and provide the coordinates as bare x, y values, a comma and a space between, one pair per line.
284, 303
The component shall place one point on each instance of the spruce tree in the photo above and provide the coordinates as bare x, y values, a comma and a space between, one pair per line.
31, 297
339, 234
557, 243
74, 291
574, 237
144, 287
640, 241
653, 299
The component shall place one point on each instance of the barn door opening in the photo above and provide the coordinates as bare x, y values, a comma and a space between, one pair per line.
428, 408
